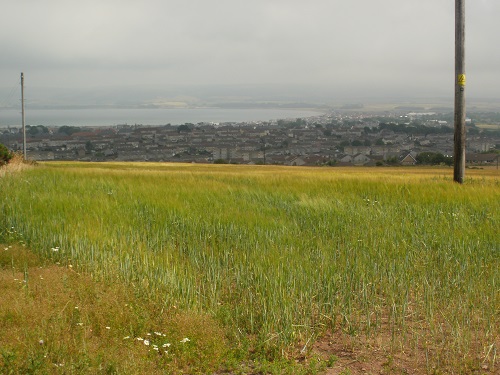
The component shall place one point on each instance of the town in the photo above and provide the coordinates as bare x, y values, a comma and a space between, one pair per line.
333, 139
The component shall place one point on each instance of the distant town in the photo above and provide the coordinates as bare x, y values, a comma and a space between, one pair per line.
333, 139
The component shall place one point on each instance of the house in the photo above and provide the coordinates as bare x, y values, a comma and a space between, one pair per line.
360, 159
346, 159
409, 160
353, 150
315, 160
297, 161
482, 159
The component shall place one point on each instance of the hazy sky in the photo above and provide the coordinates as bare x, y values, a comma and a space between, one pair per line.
360, 47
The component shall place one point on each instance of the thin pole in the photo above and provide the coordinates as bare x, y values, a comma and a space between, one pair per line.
459, 149
23, 118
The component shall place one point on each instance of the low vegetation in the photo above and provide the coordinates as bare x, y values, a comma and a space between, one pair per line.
55, 319
5, 155
264, 269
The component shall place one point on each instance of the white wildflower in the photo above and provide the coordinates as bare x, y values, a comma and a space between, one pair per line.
146, 342
184, 340
126, 337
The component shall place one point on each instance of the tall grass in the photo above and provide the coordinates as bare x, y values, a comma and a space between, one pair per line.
281, 253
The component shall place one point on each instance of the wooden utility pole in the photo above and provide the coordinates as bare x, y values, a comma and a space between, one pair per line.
23, 118
459, 149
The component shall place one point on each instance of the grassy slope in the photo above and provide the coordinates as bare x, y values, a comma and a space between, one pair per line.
55, 319
282, 255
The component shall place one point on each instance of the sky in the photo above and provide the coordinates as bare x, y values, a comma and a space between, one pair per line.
95, 51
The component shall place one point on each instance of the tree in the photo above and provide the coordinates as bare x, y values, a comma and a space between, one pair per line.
425, 158
69, 130
473, 130
393, 160
186, 128
36, 129
344, 144
433, 158
31, 130
89, 146
5, 155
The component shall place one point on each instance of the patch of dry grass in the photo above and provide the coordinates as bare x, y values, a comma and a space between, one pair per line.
16, 164
56, 320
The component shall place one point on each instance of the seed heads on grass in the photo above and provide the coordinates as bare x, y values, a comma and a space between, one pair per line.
282, 252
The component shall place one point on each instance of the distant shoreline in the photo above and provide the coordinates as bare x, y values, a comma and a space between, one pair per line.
110, 116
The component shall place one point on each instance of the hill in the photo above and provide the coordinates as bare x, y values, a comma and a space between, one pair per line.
263, 269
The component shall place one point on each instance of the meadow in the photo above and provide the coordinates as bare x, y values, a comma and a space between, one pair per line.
279, 258
488, 126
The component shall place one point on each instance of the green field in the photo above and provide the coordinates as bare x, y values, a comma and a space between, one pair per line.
488, 126
279, 257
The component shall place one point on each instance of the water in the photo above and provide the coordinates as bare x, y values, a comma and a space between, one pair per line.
108, 117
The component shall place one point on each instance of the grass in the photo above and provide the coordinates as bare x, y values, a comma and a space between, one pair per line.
488, 126
16, 165
277, 258
53, 317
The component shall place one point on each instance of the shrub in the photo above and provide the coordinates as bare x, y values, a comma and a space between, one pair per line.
5, 155
434, 158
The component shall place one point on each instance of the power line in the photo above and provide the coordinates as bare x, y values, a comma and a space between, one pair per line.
7, 101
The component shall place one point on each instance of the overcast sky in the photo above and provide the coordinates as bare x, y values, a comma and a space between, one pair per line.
360, 47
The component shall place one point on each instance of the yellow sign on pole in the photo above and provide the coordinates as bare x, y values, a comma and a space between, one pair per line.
461, 79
